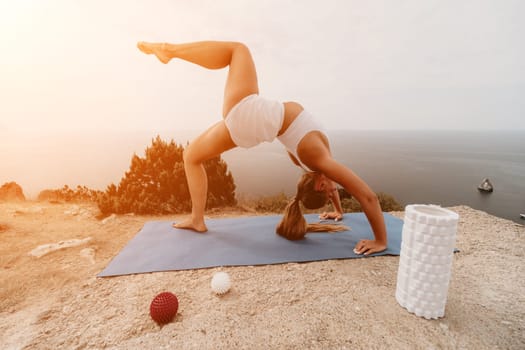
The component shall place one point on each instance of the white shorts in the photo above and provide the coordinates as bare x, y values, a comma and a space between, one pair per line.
254, 120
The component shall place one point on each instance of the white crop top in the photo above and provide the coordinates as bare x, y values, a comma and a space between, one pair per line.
302, 125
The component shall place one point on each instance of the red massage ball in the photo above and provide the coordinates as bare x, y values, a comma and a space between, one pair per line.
164, 307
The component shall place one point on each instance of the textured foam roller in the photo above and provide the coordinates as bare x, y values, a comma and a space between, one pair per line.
427, 248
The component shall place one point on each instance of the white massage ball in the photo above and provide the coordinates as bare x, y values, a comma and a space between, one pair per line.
220, 283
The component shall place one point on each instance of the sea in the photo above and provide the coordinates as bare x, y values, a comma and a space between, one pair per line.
440, 167
415, 167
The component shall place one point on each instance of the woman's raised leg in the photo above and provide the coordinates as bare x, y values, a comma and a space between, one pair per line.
241, 82
242, 76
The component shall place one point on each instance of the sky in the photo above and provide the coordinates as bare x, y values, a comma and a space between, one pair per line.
71, 76
73, 65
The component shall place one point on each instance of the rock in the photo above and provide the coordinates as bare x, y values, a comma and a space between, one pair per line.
51, 247
486, 186
110, 218
88, 253
31, 210
73, 211
85, 213
11, 191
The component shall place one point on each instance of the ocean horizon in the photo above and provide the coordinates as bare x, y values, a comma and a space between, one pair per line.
441, 167
416, 166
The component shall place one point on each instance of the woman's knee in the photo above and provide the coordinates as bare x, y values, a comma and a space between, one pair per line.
190, 155
240, 46
241, 50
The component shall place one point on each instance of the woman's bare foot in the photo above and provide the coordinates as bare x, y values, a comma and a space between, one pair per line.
188, 224
154, 48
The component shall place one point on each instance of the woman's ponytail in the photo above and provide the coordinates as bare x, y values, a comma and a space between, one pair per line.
293, 226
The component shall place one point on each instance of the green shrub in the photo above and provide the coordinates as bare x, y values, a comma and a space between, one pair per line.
386, 201
277, 203
66, 194
156, 184
270, 204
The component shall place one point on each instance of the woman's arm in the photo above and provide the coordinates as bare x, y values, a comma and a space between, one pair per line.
368, 200
315, 153
337, 214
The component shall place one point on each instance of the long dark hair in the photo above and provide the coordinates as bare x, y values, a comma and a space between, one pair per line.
293, 226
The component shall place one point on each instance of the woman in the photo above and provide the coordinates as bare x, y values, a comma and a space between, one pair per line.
248, 120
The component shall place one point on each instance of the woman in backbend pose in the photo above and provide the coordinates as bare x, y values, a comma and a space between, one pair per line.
248, 120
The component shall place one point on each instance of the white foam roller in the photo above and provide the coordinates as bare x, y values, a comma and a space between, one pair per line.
405, 249
428, 239
426, 287
419, 248
418, 266
409, 234
431, 214
404, 264
433, 278
437, 250
403, 280
427, 229
437, 241
401, 298
433, 259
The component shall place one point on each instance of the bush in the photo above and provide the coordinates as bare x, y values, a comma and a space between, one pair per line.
156, 184
66, 194
386, 201
271, 204
277, 203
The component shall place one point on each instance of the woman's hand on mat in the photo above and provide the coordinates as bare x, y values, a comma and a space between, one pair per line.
366, 247
333, 215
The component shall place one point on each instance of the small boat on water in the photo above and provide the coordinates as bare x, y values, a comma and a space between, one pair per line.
522, 216
485, 186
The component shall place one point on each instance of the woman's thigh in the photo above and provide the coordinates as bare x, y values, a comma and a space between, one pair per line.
242, 78
209, 144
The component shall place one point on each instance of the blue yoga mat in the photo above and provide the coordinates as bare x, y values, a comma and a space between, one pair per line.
242, 241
